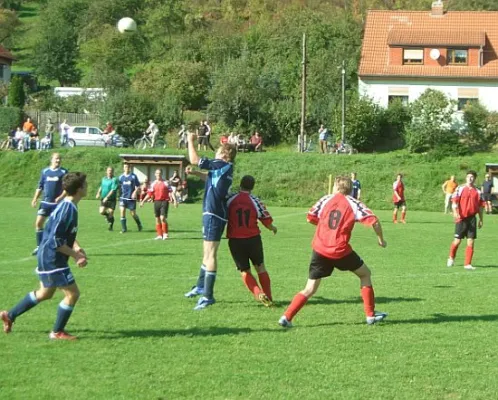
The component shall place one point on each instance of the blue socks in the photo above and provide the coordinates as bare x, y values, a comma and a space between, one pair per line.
137, 220
209, 284
200, 279
24, 305
123, 224
39, 237
63, 313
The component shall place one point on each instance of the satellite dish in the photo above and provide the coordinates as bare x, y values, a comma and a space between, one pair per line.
435, 54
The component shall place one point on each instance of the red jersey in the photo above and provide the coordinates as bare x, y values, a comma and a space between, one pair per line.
244, 211
399, 188
468, 200
335, 216
160, 190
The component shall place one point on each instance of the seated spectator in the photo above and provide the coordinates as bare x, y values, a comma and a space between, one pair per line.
108, 132
241, 143
182, 191
19, 140
256, 142
34, 139
223, 139
232, 139
10, 144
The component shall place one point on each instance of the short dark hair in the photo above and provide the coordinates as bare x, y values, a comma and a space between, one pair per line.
73, 181
472, 172
247, 182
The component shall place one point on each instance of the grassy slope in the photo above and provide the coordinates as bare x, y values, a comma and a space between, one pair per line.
24, 36
283, 178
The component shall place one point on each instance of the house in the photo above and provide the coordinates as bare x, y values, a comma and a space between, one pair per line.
91, 93
6, 59
406, 52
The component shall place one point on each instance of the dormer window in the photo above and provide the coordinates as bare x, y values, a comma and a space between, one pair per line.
413, 56
458, 56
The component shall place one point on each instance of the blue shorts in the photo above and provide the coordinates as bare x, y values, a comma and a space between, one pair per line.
57, 279
46, 209
129, 204
212, 228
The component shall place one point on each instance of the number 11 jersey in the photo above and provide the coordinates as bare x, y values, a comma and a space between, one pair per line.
335, 216
244, 211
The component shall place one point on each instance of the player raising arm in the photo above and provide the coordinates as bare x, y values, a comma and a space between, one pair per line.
335, 216
58, 244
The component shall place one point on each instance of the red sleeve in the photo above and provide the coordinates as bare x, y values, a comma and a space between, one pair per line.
314, 213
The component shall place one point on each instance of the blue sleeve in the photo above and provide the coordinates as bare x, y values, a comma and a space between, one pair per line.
136, 181
63, 222
206, 163
359, 185
41, 183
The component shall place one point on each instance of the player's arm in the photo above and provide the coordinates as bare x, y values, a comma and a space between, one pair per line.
78, 256
380, 235
192, 152
454, 208
444, 186
481, 214
147, 197
97, 196
35, 197
359, 193
62, 195
199, 174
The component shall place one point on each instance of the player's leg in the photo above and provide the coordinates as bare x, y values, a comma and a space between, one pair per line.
453, 251
64, 311
164, 219
447, 198
132, 205
27, 303
257, 258
122, 212
471, 236
39, 224
368, 295
157, 215
110, 214
240, 255
395, 213
461, 231
210, 262
403, 213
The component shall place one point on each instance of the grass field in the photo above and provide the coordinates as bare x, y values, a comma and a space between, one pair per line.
140, 338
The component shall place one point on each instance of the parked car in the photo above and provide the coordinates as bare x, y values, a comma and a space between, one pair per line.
93, 136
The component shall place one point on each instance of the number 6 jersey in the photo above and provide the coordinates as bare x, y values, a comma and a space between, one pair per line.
335, 216
244, 211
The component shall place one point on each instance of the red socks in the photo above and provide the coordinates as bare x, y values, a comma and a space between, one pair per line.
403, 216
250, 283
297, 303
165, 227
264, 280
453, 251
159, 230
367, 294
469, 252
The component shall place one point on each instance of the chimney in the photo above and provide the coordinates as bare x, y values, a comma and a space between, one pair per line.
437, 8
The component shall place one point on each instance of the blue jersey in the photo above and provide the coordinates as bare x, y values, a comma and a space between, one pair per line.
128, 183
218, 183
355, 187
51, 183
61, 229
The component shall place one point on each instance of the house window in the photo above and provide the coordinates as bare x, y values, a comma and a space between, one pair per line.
413, 56
458, 57
462, 102
402, 99
2, 74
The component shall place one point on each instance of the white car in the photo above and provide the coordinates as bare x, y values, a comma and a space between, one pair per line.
92, 136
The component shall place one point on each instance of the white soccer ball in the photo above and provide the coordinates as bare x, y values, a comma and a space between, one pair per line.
127, 25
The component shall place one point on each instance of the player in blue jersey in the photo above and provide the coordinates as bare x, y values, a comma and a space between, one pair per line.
51, 185
58, 244
130, 189
214, 213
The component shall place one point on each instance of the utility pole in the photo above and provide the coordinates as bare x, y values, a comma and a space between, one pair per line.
301, 140
343, 126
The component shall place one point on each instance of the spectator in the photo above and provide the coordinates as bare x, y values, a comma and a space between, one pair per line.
201, 136
175, 182
34, 137
19, 140
223, 139
232, 139
108, 132
48, 141
64, 132
9, 144
182, 138
28, 126
323, 135
208, 136
144, 189
256, 142
153, 131
241, 142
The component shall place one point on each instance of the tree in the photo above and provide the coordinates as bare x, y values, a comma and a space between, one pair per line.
17, 96
8, 23
480, 131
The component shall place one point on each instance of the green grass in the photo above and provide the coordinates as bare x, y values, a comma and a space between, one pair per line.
140, 339
24, 37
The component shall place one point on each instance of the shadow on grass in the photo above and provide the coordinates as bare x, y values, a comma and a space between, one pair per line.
486, 266
188, 332
443, 286
378, 300
445, 318
133, 254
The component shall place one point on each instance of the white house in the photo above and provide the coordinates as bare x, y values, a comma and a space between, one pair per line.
406, 52
6, 59
92, 93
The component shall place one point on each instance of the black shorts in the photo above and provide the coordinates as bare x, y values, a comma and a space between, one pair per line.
245, 250
108, 204
321, 266
467, 227
486, 196
161, 208
399, 204
203, 140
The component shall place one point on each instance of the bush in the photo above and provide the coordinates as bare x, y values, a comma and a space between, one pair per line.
10, 117
481, 132
17, 97
395, 120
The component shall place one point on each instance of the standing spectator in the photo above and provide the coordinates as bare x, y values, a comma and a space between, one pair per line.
107, 194
153, 131
256, 142
335, 216
64, 132
208, 136
51, 185
48, 141
108, 132
399, 199
144, 189
487, 189
323, 135
175, 182
355, 187
28, 127
201, 136
449, 188
467, 203
182, 138
162, 194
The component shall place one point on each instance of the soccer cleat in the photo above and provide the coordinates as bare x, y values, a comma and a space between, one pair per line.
140, 227
403, 221
395, 222
158, 238
123, 231
110, 227
35, 251
7, 322
263, 299
165, 236
203, 303
379, 316
284, 322
450, 262
61, 336
195, 291
469, 267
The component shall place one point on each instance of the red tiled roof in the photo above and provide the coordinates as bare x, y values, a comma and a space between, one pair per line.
4, 53
381, 26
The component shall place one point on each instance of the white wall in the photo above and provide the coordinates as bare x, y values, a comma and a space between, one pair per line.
378, 90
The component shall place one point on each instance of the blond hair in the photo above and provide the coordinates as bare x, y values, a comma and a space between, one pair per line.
343, 184
228, 151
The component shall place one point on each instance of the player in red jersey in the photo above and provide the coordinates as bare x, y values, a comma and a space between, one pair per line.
467, 202
162, 194
335, 216
244, 238
399, 199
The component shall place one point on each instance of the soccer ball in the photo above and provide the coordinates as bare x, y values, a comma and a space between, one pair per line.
127, 25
